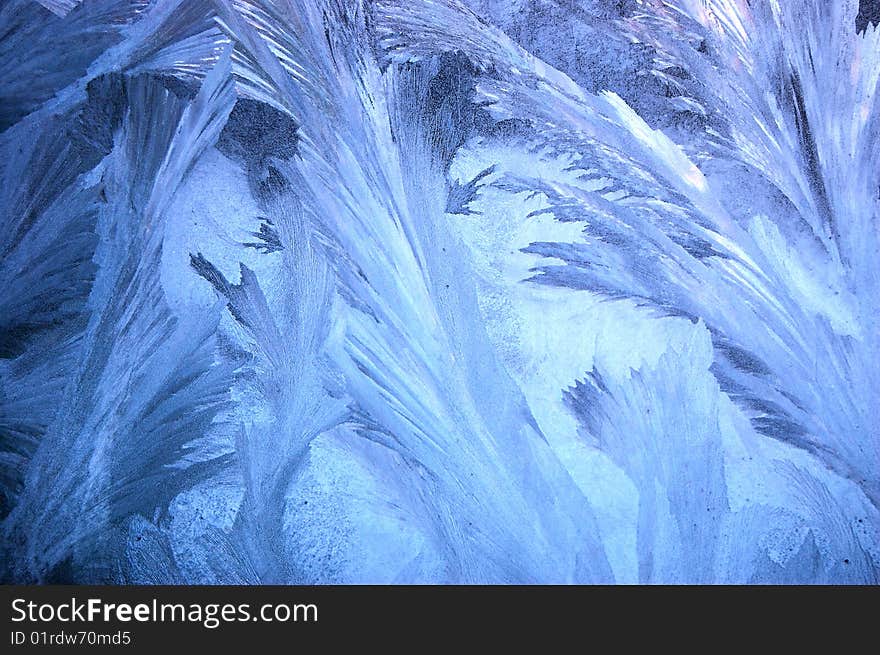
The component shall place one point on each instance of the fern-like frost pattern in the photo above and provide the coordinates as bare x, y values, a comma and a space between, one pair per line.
439, 291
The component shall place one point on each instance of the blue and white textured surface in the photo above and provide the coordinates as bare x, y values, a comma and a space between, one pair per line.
529, 291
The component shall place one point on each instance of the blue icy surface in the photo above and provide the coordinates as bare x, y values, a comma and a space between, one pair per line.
439, 291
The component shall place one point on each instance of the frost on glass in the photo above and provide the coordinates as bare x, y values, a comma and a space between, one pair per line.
445, 291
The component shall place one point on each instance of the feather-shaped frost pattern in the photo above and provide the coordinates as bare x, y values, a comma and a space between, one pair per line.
674, 460
447, 291
165, 387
